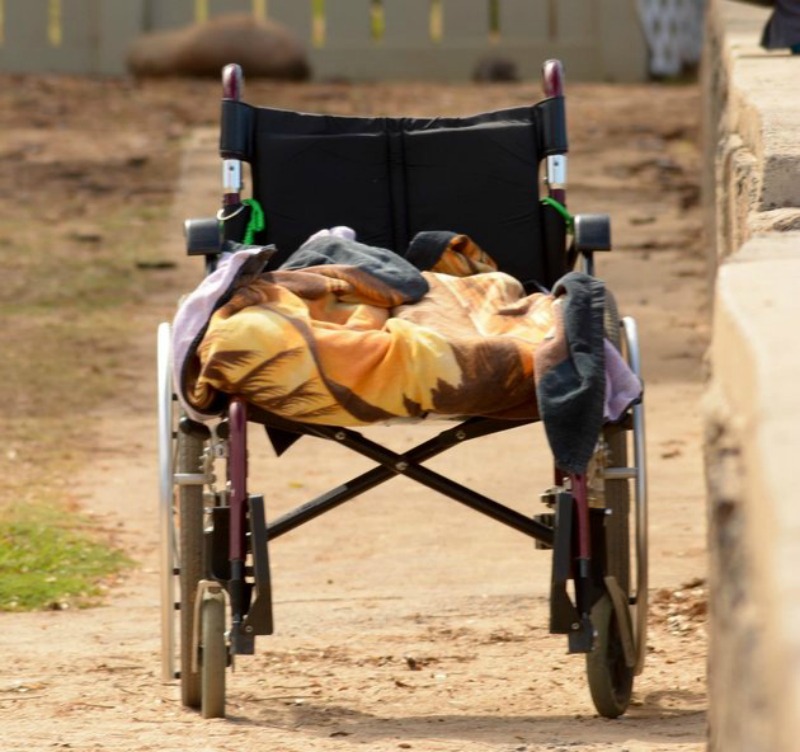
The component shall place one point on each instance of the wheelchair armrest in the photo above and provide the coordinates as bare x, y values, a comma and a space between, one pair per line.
592, 232
203, 236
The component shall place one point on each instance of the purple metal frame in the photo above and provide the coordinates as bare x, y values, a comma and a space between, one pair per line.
553, 86
233, 89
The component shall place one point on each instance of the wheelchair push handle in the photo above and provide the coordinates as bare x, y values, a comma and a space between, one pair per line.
553, 78
556, 164
232, 184
232, 82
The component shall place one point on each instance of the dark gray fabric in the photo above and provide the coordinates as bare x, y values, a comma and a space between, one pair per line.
572, 393
783, 28
381, 263
426, 248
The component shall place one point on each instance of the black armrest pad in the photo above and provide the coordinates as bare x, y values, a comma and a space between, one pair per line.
203, 236
592, 232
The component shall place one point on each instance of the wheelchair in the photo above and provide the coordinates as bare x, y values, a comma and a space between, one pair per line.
389, 178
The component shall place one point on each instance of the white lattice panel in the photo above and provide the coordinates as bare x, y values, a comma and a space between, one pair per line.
674, 31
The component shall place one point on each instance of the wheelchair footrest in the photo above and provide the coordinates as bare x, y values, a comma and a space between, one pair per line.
563, 615
258, 620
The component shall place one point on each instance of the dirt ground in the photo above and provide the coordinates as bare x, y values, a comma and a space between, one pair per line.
403, 621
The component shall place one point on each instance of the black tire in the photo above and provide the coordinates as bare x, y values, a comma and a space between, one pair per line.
610, 678
190, 552
214, 656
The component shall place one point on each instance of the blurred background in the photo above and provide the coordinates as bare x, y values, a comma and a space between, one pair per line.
358, 40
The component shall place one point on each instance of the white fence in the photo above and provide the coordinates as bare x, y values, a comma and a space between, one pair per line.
349, 39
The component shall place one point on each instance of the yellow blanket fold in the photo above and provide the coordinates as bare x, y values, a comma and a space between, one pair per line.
333, 345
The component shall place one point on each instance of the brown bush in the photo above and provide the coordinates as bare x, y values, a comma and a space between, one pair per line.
264, 49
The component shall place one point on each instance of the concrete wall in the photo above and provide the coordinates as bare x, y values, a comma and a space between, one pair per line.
752, 190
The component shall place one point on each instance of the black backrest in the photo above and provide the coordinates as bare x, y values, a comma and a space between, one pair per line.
389, 178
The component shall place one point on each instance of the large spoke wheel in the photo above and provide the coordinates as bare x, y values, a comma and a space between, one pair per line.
181, 526
618, 509
166, 521
616, 489
639, 520
610, 671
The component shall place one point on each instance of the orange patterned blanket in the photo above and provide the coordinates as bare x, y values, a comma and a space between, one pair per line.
345, 335
335, 344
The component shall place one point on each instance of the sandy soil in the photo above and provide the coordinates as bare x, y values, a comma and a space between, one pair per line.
403, 621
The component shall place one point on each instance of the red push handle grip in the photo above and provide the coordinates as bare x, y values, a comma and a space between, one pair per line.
232, 90
553, 78
232, 82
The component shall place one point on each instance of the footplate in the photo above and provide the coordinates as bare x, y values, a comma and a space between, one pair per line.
564, 618
258, 620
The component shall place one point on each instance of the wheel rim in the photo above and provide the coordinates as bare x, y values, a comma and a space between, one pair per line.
166, 521
640, 599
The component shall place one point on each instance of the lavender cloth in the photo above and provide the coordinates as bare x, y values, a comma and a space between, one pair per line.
194, 311
623, 388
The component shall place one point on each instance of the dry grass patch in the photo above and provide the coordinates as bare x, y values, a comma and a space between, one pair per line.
91, 200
